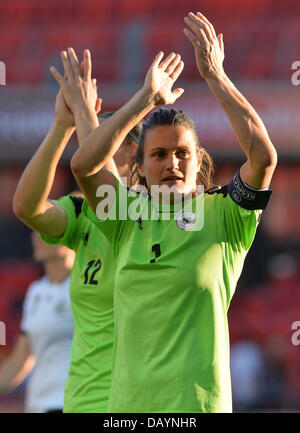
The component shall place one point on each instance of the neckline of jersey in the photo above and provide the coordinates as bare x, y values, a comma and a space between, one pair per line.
175, 207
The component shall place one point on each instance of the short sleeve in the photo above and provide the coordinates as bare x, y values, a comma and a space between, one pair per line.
240, 223
72, 205
242, 207
237, 232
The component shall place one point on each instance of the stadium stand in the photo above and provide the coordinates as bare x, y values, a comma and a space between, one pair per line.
255, 33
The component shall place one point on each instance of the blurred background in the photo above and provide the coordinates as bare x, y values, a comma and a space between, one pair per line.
262, 41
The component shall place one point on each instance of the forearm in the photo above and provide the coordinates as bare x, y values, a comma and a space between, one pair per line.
104, 141
37, 180
247, 125
86, 121
17, 365
11, 374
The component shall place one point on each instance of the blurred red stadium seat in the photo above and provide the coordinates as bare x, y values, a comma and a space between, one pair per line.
94, 12
105, 64
159, 37
10, 43
14, 11
130, 9
259, 61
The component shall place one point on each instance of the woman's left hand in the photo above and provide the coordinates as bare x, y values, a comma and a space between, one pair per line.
209, 48
79, 89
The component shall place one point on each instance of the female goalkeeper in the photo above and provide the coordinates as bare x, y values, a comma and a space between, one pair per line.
177, 271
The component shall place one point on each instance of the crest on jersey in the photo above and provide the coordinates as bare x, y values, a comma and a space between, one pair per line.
61, 307
236, 196
186, 220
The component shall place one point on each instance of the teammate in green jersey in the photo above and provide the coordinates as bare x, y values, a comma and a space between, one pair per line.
175, 278
62, 222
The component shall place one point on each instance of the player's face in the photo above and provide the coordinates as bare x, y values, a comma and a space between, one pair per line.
170, 158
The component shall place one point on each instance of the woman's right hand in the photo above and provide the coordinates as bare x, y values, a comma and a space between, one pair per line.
161, 77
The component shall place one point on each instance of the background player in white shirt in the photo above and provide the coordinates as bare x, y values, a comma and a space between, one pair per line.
44, 343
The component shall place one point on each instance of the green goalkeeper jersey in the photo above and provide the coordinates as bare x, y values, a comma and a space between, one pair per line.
173, 288
91, 293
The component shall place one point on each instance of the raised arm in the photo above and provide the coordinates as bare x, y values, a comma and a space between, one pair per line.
17, 366
79, 91
89, 160
247, 125
31, 203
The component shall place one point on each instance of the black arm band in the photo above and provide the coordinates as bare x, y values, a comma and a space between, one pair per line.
247, 198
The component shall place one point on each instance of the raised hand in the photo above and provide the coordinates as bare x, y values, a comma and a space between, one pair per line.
79, 89
161, 76
209, 48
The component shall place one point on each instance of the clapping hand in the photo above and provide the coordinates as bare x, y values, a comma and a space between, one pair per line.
209, 48
161, 76
78, 88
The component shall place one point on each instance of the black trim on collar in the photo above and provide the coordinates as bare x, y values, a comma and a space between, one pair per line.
77, 201
217, 189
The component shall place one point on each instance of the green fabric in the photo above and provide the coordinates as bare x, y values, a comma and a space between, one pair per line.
171, 330
91, 293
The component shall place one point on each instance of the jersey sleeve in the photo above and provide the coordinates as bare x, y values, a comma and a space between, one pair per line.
240, 224
72, 205
236, 231
243, 206
109, 227
112, 211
